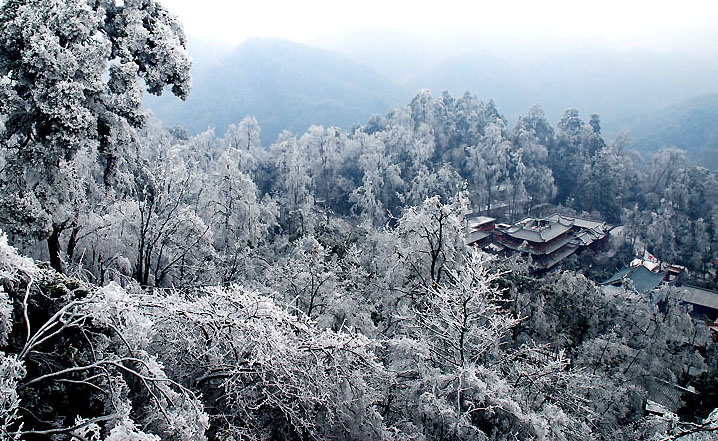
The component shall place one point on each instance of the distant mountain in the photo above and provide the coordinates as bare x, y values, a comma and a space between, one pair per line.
593, 75
691, 126
616, 85
285, 85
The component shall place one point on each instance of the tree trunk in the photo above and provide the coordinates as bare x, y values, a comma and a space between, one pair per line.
53, 247
488, 201
72, 243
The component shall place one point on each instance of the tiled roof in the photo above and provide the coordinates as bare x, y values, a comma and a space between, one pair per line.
538, 251
481, 220
557, 244
587, 237
618, 276
582, 223
698, 296
666, 394
641, 278
551, 239
544, 230
475, 236
537, 230
551, 260
644, 280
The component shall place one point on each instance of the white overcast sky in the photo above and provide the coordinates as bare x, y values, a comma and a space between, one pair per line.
675, 24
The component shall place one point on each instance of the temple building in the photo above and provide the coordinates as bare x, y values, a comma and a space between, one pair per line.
546, 240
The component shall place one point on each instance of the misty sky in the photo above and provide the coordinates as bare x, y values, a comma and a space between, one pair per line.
675, 25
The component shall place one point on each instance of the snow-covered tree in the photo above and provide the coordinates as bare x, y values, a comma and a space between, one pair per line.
77, 360
71, 73
576, 143
308, 278
266, 372
324, 148
239, 219
463, 319
245, 139
430, 239
381, 180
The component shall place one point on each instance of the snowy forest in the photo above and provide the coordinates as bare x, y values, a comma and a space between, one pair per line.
160, 286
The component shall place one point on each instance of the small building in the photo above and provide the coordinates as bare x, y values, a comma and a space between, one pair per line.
640, 277
480, 231
589, 233
703, 301
482, 223
648, 274
673, 272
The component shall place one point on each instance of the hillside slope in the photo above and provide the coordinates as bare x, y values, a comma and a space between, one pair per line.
285, 85
691, 125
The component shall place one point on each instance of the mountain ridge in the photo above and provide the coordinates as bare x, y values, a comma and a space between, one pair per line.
308, 85
691, 125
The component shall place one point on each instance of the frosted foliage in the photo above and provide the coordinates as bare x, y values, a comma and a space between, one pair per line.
489, 161
11, 370
381, 180
421, 146
106, 239
294, 183
325, 150
118, 354
269, 362
241, 219
153, 38
245, 139
61, 71
167, 214
669, 427
126, 430
172, 411
712, 421
71, 71
12, 267
113, 306
24, 214
12, 264
463, 317
530, 178
421, 107
5, 316
431, 238
177, 413
308, 278
87, 430
444, 182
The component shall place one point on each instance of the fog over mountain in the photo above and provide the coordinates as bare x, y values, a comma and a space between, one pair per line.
691, 125
290, 86
595, 76
285, 85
